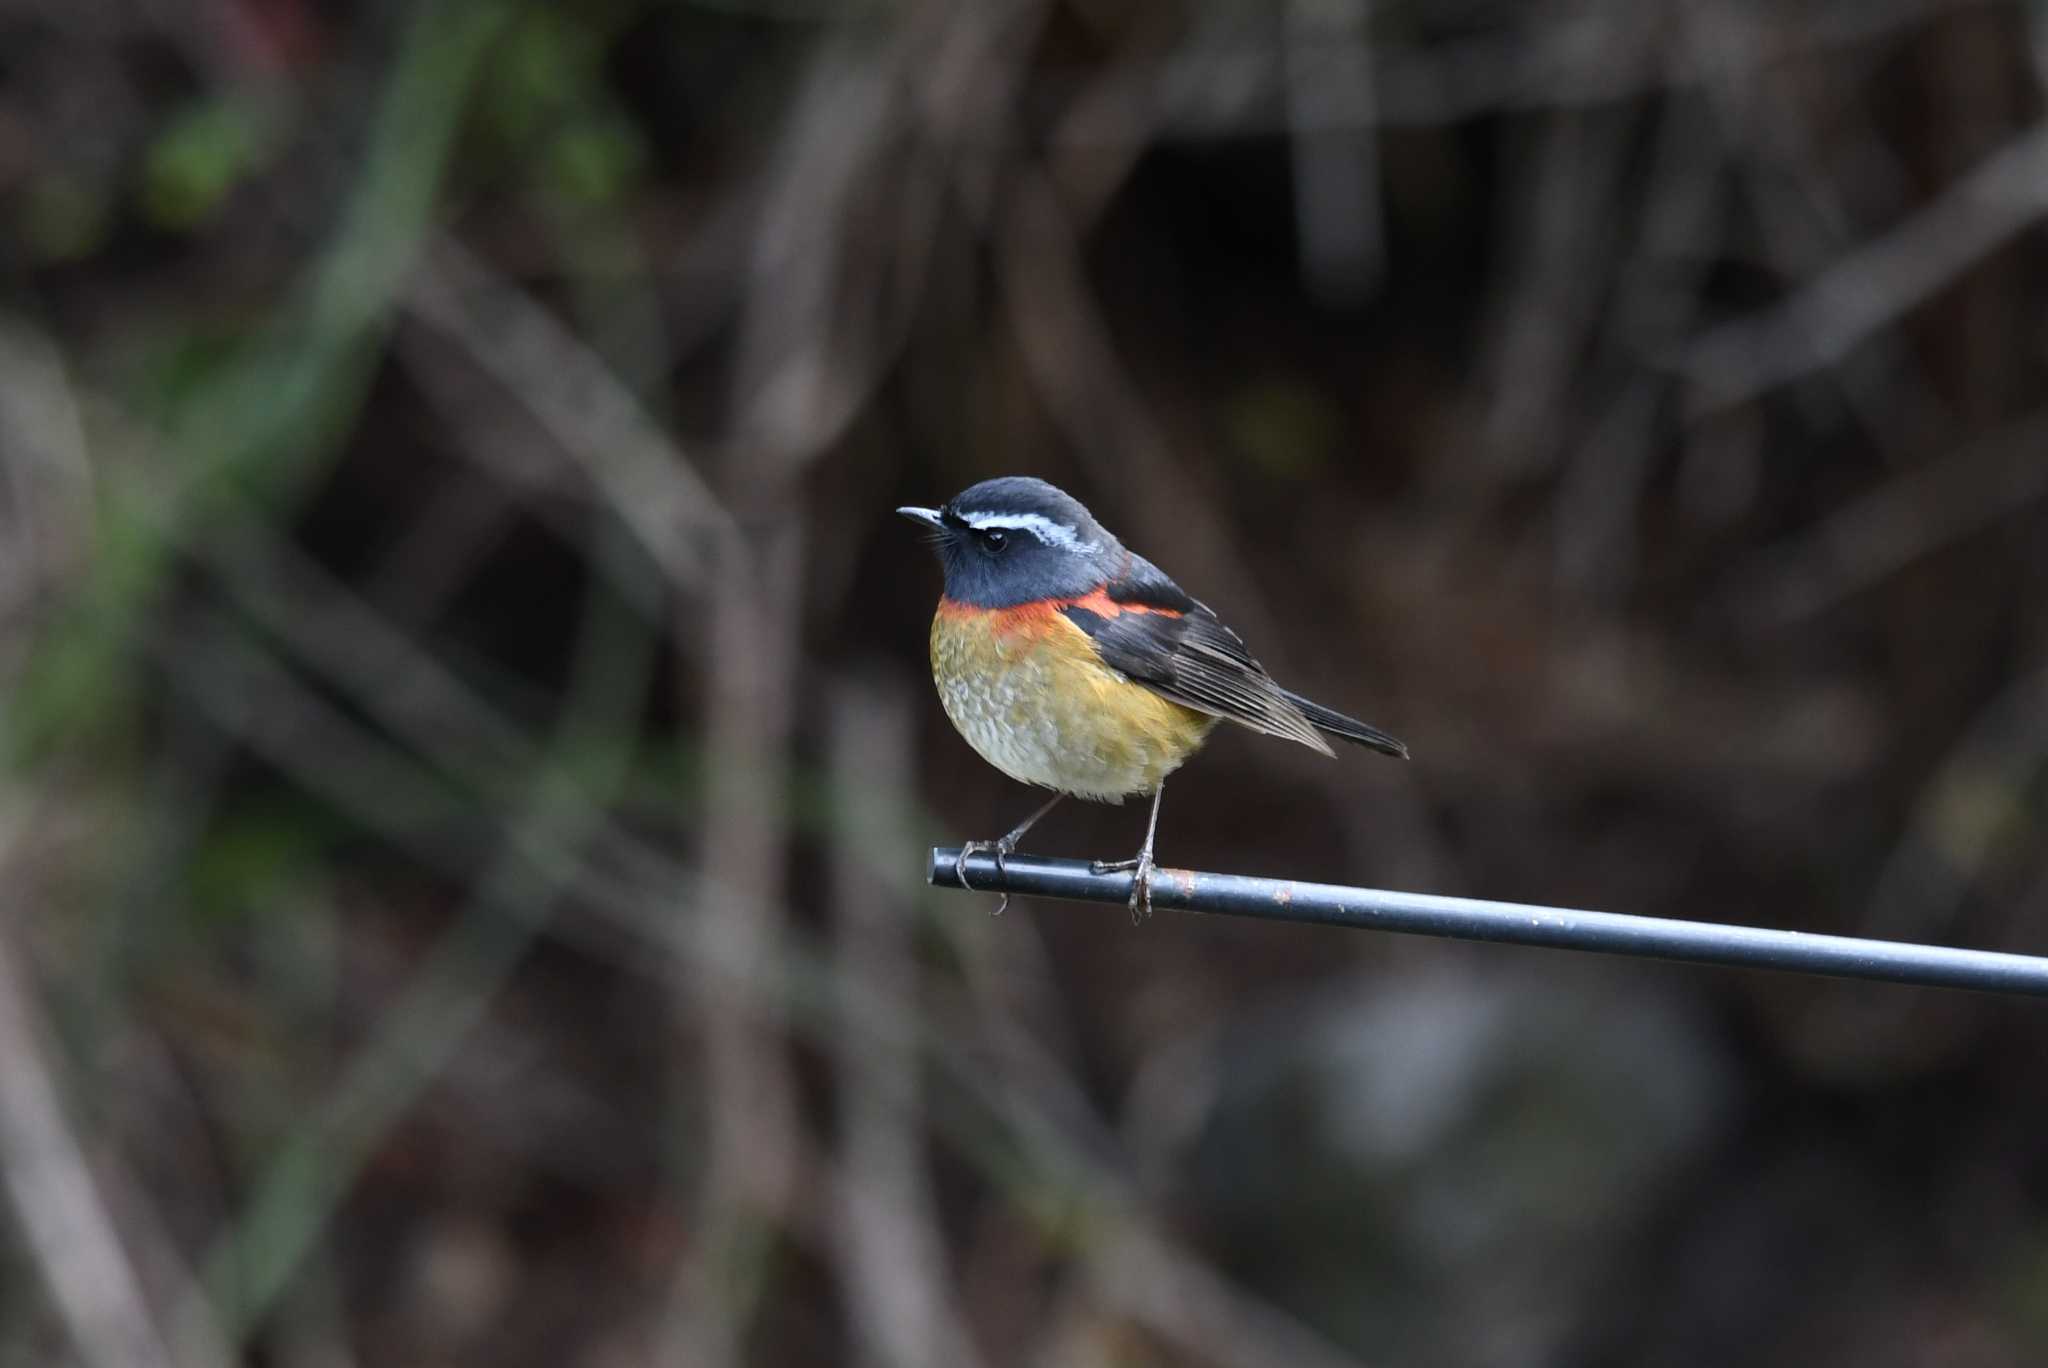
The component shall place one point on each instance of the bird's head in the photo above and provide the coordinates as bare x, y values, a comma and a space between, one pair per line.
1018, 540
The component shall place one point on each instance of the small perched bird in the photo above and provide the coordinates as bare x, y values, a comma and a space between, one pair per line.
1073, 663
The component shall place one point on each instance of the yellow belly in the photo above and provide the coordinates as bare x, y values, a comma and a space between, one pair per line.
1028, 692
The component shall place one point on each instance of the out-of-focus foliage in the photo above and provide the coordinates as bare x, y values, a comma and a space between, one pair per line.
467, 743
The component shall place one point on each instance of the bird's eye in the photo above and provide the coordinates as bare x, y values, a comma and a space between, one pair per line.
992, 539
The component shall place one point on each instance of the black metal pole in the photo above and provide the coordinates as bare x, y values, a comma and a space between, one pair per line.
1513, 923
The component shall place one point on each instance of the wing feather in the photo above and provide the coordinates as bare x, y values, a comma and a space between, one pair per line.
1189, 656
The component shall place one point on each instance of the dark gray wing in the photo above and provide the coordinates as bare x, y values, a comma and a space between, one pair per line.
1188, 655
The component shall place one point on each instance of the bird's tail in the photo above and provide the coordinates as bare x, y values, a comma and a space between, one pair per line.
1349, 728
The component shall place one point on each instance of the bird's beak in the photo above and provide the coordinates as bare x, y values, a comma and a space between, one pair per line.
928, 516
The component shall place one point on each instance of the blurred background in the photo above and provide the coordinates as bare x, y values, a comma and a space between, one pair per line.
469, 752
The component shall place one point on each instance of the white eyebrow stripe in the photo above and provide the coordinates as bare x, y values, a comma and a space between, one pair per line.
1038, 525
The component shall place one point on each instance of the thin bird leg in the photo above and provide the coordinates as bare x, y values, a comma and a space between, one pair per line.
1002, 846
1141, 885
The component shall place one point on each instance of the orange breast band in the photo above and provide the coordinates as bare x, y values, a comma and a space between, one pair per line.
1025, 619
1037, 618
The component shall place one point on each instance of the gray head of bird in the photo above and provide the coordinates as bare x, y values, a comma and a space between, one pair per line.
1017, 540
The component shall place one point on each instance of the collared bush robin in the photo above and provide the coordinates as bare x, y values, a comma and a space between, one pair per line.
1071, 662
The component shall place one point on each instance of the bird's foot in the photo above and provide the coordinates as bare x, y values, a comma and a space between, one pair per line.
999, 848
1141, 882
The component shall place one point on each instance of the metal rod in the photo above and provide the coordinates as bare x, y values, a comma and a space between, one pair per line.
1563, 928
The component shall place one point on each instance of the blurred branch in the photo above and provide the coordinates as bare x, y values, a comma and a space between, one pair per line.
458, 731
795, 389
1334, 147
1076, 1188
1877, 284
798, 378
849, 213
890, 1245
1880, 533
1809, 202
1971, 810
66, 1226
267, 415
1563, 57
647, 482
748, 1094
1189, 1305
1564, 192
375, 246
318, 1162
1596, 527
45, 474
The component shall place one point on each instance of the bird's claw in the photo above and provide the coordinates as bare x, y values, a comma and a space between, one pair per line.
1141, 881
1141, 891
999, 849
960, 861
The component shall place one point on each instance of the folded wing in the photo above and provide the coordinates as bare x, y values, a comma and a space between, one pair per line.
1146, 628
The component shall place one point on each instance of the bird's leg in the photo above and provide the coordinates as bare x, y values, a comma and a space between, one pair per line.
1002, 846
1141, 884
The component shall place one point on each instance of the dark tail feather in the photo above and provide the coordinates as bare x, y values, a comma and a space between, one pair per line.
1350, 728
